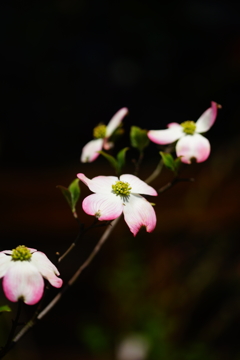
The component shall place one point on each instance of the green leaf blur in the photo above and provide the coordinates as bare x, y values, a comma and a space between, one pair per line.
138, 138
71, 194
5, 308
121, 156
112, 161
74, 190
171, 163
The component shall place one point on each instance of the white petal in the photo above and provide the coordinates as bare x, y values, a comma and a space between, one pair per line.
90, 150
173, 125
168, 136
46, 268
23, 280
207, 119
5, 261
116, 121
193, 147
99, 184
104, 207
139, 212
138, 186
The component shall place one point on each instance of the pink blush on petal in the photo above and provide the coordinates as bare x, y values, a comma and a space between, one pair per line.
193, 147
90, 150
139, 213
103, 207
35, 294
203, 152
23, 281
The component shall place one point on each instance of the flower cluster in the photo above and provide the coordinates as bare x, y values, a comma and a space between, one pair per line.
114, 196
23, 270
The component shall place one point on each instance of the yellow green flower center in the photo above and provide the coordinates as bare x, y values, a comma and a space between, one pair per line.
99, 131
21, 253
121, 188
189, 127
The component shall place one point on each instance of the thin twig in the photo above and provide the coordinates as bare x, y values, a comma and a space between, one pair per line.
138, 163
155, 174
83, 231
60, 258
159, 167
172, 183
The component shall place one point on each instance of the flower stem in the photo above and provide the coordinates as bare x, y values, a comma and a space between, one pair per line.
156, 172
138, 163
82, 231
175, 181
159, 167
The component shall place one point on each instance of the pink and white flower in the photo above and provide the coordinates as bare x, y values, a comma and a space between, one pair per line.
191, 145
102, 134
23, 270
114, 196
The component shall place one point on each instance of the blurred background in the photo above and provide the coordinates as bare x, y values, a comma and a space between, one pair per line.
67, 65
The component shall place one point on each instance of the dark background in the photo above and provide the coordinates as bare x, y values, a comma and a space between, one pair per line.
68, 65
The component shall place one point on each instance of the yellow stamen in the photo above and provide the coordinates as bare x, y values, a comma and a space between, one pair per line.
21, 253
99, 131
189, 127
121, 188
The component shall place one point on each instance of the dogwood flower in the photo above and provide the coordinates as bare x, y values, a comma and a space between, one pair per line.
22, 270
191, 145
114, 196
101, 135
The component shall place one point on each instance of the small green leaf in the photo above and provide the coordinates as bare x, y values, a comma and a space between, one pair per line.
138, 138
5, 308
111, 160
168, 160
178, 163
75, 191
71, 194
171, 163
66, 193
121, 157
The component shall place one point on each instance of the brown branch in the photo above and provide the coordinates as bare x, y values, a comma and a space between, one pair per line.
172, 183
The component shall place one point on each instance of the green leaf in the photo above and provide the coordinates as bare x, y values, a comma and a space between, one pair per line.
168, 160
111, 160
138, 138
178, 163
5, 308
121, 157
75, 191
66, 193
71, 194
171, 163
